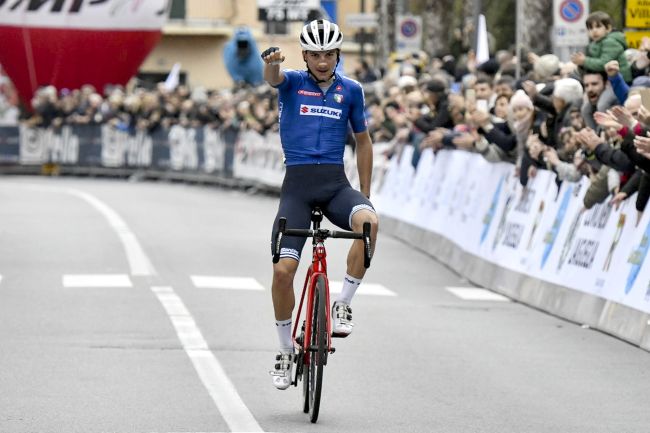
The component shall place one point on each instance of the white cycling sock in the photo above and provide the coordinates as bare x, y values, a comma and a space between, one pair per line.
284, 334
350, 286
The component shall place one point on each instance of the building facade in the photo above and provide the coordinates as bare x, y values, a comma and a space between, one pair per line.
198, 30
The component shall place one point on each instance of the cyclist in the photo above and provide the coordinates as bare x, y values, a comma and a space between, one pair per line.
316, 107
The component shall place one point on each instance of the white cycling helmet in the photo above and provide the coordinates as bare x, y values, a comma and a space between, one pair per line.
321, 35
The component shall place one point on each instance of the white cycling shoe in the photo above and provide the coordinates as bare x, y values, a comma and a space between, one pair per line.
282, 372
341, 319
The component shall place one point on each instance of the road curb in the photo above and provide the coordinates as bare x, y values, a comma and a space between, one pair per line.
609, 317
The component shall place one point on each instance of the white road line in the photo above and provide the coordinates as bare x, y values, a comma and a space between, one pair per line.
138, 260
220, 388
476, 294
364, 289
248, 283
212, 374
234, 283
0, 278
97, 280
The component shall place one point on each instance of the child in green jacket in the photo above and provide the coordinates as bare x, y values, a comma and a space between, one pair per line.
605, 45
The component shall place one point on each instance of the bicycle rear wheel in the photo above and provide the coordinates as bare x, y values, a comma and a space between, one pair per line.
318, 351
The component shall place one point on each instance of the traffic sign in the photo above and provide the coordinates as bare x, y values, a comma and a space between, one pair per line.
569, 23
408, 28
637, 14
408, 36
366, 20
571, 10
285, 10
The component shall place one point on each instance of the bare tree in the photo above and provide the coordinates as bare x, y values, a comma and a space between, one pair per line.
536, 25
437, 19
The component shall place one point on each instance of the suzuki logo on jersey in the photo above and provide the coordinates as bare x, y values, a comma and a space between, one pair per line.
315, 110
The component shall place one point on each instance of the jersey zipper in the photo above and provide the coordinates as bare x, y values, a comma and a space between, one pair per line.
322, 119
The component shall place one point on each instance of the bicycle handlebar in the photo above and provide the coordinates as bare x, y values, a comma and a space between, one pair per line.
323, 234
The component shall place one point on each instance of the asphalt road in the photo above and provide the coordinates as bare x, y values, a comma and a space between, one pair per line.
145, 307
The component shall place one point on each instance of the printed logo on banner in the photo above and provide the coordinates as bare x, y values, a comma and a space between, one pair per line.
139, 150
550, 237
514, 231
214, 150
468, 210
119, 148
183, 148
526, 200
502, 221
598, 216
636, 259
569, 239
38, 146
584, 253
585, 249
489, 216
63, 147
538, 219
617, 236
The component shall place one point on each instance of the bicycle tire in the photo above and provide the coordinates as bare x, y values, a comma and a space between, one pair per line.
304, 371
318, 357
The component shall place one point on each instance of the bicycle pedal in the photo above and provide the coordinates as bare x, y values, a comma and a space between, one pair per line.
332, 349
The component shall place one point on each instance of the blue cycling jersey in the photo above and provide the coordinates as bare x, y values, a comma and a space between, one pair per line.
313, 125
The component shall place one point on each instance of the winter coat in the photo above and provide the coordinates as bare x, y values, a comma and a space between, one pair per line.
611, 47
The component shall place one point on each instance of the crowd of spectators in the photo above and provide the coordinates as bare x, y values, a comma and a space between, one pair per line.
586, 117
150, 109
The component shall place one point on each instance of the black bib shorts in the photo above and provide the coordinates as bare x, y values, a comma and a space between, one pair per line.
308, 186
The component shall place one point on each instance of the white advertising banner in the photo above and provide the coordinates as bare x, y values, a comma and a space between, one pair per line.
513, 240
485, 178
585, 249
398, 184
558, 239
634, 286
539, 231
496, 214
414, 210
481, 174
450, 178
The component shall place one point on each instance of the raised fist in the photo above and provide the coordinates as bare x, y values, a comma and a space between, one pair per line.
272, 56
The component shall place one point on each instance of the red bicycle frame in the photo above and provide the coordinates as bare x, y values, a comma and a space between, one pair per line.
318, 267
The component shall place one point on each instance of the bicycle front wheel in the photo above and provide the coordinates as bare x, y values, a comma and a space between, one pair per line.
318, 348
